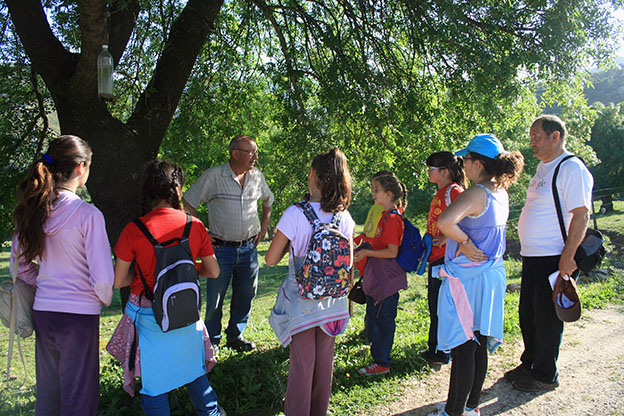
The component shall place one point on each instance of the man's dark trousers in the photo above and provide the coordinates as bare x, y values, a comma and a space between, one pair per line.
542, 330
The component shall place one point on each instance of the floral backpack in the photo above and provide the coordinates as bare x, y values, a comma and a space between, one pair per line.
326, 267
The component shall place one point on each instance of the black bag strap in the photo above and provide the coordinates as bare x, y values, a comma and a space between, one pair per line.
141, 225
558, 202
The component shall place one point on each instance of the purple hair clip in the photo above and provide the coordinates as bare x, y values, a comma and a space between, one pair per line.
47, 159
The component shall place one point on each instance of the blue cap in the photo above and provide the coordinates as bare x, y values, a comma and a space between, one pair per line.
483, 144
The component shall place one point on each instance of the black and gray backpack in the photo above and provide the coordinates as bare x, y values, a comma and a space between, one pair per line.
176, 299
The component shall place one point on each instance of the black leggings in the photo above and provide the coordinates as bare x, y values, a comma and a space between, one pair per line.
470, 363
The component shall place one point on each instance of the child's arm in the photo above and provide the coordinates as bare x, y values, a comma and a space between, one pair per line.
385, 253
123, 274
470, 202
277, 249
209, 267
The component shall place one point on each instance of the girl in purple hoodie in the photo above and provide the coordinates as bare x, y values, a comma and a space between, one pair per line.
64, 251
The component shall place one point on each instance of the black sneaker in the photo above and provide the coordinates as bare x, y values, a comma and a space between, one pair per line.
241, 344
433, 358
517, 373
531, 385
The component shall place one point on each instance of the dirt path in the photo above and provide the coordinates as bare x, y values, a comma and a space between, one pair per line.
591, 368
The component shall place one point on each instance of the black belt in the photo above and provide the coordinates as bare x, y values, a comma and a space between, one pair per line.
219, 242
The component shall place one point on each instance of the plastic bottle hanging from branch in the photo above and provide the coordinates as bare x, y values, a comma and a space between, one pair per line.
105, 74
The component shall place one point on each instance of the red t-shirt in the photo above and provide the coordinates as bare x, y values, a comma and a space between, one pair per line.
389, 231
441, 200
164, 224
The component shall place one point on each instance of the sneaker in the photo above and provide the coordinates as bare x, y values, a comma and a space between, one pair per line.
473, 412
435, 358
517, 373
531, 385
241, 344
374, 370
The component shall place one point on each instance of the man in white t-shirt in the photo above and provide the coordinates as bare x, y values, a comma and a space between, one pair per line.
544, 252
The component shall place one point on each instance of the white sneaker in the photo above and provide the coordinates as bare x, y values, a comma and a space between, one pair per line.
440, 406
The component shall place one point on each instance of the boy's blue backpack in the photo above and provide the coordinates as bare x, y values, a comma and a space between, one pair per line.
412, 249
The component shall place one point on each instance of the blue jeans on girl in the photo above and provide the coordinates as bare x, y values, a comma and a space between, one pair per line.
200, 391
380, 327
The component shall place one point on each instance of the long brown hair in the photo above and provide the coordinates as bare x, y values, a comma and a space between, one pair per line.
334, 180
36, 193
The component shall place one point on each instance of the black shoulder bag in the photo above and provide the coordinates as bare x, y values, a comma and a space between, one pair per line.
591, 250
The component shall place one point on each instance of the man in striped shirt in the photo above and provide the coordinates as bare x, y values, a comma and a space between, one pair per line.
231, 192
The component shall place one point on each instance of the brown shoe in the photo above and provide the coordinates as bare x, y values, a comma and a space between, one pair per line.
517, 373
529, 384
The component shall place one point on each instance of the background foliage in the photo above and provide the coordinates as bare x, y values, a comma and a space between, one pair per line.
388, 82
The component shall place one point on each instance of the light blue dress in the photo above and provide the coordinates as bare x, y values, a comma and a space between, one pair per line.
472, 294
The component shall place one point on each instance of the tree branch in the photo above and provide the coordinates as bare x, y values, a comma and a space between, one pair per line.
48, 56
162, 94
123, 16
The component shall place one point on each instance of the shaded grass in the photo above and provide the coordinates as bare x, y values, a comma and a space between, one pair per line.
254, 383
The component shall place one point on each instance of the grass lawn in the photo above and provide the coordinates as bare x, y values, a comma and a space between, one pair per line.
254, 383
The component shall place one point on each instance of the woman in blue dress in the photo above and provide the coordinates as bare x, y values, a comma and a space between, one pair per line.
471, 299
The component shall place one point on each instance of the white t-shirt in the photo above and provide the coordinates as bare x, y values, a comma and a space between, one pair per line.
538, 227
298, 230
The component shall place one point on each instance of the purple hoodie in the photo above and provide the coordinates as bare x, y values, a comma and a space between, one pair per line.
75, 272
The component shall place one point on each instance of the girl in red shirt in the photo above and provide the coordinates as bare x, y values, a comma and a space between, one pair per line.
447, 171
383, 277
179, 357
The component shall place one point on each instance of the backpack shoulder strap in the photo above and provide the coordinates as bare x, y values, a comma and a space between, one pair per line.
336, 219
392, 211
187, 227
556, 197
145, 231
308, 212
447, 194
148, 293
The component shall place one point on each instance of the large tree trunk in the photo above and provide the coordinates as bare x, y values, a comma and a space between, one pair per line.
120, 150
119, 159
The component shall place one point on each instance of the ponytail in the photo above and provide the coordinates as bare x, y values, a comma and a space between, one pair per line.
36, 193
505, 169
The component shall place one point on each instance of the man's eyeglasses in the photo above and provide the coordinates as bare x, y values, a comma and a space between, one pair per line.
469, 158
430, 168
251, 153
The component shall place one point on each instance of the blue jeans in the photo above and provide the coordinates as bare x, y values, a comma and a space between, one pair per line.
239, 265
381, 326
202, 396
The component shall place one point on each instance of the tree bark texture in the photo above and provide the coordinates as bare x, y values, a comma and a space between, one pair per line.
120, 150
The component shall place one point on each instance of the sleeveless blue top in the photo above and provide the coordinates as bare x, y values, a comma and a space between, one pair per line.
486, 230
